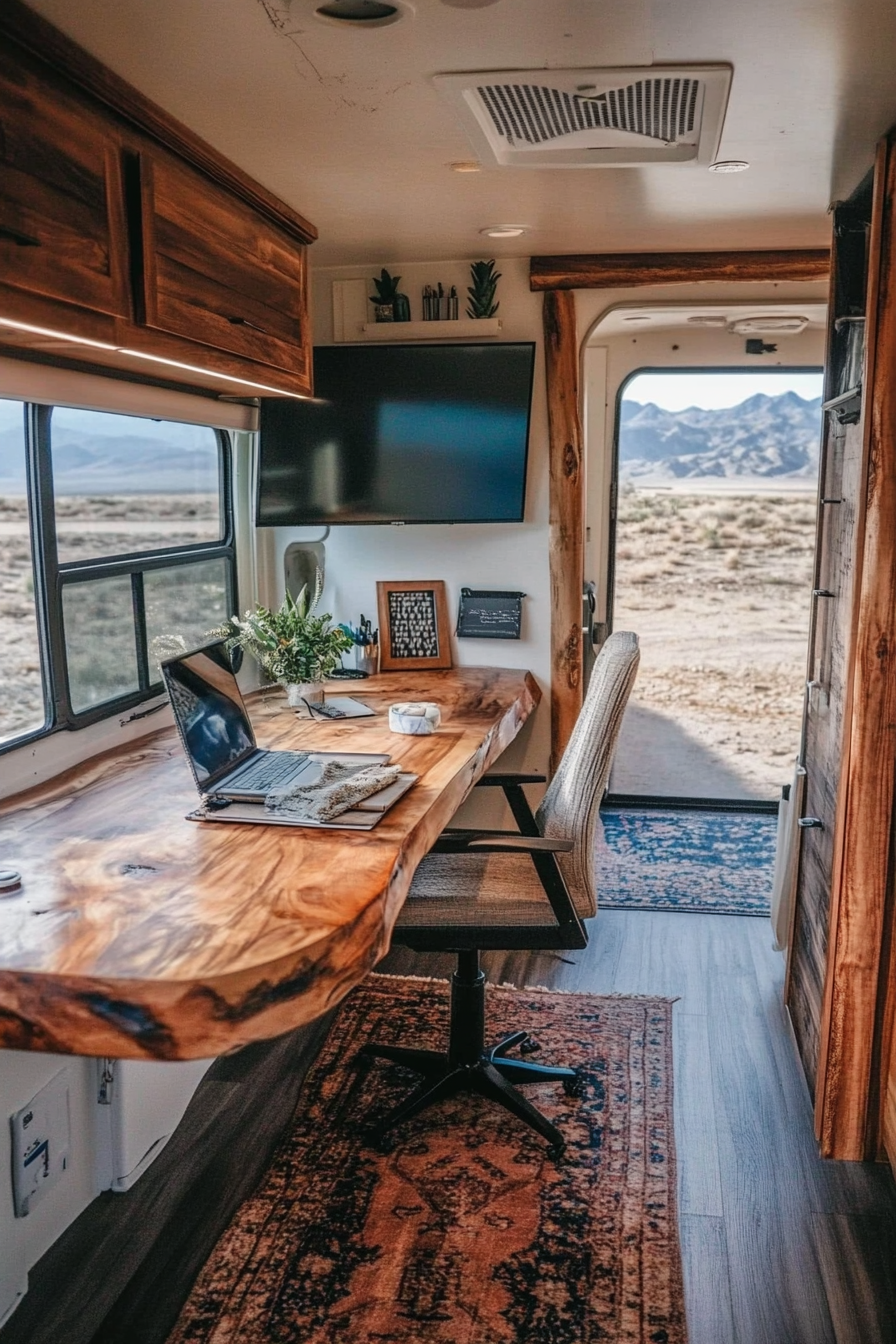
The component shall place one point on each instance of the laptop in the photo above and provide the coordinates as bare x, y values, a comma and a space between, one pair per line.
217, 736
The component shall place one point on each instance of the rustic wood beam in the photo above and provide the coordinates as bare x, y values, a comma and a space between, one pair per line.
612, 270
566, 544
847, 1097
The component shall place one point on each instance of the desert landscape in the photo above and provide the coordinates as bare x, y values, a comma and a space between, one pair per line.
101, 643
717, 586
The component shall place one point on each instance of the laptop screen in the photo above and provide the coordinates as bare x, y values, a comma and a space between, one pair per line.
209, 710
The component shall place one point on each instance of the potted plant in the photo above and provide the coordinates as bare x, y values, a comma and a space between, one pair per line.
292, 644
388, 304
482, 291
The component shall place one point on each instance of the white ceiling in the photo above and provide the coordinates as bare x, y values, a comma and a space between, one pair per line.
346, 126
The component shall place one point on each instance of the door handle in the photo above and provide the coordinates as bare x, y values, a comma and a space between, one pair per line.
810, 823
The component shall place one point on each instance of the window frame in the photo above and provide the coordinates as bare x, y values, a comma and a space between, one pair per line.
52, 578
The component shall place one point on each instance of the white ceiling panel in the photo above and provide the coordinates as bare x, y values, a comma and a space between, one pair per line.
347, 126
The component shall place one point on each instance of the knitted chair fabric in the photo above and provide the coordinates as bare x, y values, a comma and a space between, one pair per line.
469, 889
569, 808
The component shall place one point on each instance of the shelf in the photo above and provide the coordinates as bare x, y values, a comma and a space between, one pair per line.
464, 328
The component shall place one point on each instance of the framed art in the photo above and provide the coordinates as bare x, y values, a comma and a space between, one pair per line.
414, 629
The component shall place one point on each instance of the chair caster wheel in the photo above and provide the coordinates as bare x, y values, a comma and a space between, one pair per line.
574, 1087
556, 1151
529, 1047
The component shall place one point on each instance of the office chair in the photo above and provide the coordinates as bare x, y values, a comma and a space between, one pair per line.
525, 889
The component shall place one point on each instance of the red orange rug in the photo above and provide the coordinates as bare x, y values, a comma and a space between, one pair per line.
466, 1233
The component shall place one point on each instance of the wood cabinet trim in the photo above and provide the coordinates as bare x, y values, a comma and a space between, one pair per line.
617, 270
63, 56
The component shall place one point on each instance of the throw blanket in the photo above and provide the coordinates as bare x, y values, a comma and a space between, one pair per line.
339, 788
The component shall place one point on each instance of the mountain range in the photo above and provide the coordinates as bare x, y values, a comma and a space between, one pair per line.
763, 436
86, 462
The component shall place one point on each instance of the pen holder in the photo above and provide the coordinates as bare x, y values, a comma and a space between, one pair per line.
367, 658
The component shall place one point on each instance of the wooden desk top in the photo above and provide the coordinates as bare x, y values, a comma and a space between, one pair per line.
139, 934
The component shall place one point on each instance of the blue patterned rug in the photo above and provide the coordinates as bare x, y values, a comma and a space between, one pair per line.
705, 862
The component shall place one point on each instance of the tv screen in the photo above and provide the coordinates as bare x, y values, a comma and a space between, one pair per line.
401, 434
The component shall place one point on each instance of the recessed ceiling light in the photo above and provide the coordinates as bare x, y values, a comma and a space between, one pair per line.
504, 230
708, 320
362, 13
469, 4
636, 317
466, 166
729, 166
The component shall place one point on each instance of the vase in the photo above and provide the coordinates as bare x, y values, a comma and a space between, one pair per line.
298, 692
401, 308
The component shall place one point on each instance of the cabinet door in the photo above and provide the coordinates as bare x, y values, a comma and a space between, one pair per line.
62, 227
218, 272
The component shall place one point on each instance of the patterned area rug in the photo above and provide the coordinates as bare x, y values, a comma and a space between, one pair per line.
467, 1233
717, 863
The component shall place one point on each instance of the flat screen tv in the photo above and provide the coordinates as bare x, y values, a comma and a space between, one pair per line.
401, 434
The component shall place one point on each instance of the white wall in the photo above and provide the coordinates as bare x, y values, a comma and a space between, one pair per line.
24, 1240
505, 555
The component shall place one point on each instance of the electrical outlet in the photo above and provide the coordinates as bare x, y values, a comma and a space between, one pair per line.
41, 1143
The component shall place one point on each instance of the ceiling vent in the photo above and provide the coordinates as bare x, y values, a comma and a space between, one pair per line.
592, 118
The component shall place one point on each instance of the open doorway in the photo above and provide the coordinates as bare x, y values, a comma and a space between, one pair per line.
711, 564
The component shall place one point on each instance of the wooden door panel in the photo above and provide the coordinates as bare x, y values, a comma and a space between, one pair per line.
828, 698
62, 229
218, 272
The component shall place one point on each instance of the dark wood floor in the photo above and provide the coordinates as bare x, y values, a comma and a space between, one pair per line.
779, 1247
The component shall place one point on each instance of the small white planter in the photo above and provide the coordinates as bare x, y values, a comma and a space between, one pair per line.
310, 691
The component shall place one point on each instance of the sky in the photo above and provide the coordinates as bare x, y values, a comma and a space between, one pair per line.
712, 391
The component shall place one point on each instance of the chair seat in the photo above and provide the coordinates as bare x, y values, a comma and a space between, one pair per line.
472, 890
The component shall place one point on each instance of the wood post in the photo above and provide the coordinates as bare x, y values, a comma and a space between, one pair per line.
850, 1066
567, 550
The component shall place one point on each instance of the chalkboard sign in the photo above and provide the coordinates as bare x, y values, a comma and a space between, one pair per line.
487, 613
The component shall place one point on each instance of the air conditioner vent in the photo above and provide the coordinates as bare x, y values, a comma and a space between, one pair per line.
589, 118
662, 109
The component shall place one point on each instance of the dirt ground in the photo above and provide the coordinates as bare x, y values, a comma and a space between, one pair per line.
718, 589
86, 527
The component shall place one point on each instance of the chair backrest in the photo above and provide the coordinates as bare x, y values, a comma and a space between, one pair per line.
570, 805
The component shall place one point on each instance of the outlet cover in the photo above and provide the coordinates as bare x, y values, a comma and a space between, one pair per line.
41, 1143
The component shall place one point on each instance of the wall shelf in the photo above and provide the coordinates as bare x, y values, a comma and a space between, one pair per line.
463, 328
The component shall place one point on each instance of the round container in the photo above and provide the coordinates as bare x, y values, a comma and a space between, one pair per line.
416, 718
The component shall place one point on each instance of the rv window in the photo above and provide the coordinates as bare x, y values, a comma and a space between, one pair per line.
130, 525
23, 707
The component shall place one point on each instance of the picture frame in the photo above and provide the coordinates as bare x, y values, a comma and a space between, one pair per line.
415, 633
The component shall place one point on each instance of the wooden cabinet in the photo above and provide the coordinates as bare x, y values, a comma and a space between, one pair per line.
62, 223
216, 272
122, 229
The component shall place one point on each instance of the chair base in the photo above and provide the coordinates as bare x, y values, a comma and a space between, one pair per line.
469, 1066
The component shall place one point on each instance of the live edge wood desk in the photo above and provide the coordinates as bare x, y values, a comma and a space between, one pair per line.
141, 935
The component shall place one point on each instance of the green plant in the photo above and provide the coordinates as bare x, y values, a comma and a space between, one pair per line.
482, 291
291, 644
386, 287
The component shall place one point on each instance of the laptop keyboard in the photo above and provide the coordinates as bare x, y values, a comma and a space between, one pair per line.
269, 771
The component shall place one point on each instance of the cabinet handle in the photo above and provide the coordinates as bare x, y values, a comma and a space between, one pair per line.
244, 322
16, 236
810, 823
822, 592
